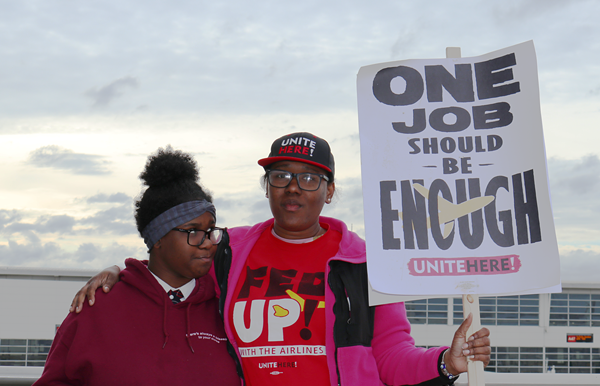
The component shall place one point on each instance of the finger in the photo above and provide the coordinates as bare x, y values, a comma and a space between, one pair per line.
82, 295
481, 350
77, 302
110, 282
481, 357
464, 327
480, 334
456, 361
105, 279
479, 342
91, 292
459, 341
485, 350
92, 286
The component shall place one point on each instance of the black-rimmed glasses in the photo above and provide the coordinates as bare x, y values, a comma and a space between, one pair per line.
196, 237
306, 181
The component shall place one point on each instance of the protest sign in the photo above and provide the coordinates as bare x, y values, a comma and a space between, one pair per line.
454, 176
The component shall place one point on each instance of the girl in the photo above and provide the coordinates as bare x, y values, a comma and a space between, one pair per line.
161, 326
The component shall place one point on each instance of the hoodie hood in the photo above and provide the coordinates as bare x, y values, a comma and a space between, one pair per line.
139, 276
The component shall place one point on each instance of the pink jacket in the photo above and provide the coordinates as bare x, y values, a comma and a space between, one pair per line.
391, 358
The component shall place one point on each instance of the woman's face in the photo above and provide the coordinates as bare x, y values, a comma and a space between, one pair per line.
297, 211
175, 261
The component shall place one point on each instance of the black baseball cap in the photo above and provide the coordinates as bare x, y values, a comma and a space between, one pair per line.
301, 147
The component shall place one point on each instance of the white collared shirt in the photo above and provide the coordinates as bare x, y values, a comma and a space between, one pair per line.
185, 289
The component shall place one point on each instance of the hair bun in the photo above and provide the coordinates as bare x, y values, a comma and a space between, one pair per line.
167, 166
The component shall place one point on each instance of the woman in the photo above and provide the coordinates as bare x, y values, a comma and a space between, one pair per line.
163, 325
295, 299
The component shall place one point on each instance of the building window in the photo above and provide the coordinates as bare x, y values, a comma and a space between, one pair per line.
516, 360
427, 311
521, 310
531, 360
457, 311
574, 360
24, 352
569, 309
558, 359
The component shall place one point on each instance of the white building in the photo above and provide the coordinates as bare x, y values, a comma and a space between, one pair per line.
33, 302
545, 339
536, 339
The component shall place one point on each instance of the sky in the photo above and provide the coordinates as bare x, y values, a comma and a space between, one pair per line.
89, 89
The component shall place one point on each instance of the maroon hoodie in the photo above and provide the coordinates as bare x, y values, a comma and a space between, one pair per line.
134, 335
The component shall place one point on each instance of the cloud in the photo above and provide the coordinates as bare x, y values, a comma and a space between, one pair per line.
56, 224
579, 177
90, 239
106, 94
106, 198
579, 265
61, 224
271, 58
518, 12
56, 157
347, 204
9, 216
574, 188
117, 220
96, 254
246, 208
34, 253
404, 40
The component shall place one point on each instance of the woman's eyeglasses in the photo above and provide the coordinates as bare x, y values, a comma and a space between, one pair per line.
196, 237
306, 181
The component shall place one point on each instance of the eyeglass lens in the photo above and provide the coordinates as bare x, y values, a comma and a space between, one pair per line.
197, 238
306, 181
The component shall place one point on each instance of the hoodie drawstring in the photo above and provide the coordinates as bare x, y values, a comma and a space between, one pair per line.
187, 325
166, 334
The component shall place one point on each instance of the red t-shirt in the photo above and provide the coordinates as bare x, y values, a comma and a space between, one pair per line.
278, 311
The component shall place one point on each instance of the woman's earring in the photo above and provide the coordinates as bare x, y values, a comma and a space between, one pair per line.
328, 200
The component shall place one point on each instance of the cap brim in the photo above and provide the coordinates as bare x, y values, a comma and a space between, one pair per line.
271, 160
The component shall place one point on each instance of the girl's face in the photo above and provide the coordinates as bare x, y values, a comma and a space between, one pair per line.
175, 261
297, 211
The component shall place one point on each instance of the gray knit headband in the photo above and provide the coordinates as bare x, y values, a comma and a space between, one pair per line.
177, 215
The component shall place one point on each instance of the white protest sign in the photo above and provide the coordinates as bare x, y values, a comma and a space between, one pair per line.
454, 176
